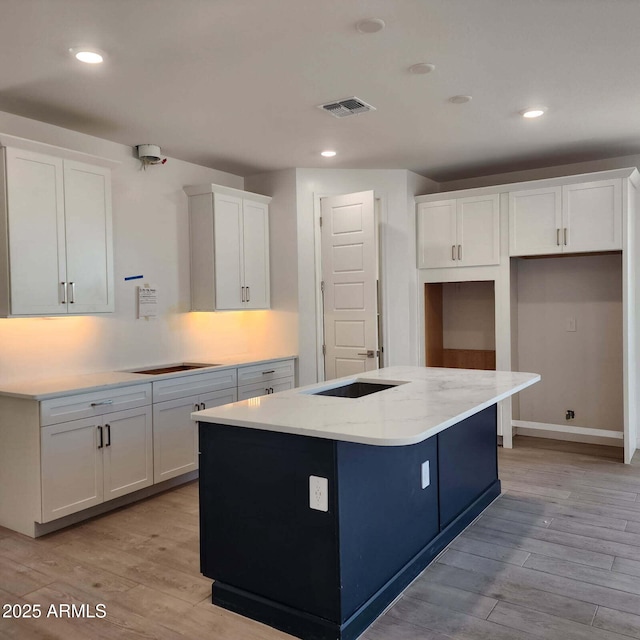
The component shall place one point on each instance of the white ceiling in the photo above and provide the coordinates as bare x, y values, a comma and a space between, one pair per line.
235, 84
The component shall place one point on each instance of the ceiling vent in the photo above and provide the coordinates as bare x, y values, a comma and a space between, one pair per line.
347, 107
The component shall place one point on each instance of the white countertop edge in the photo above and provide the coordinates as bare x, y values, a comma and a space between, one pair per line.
201, 416
90, 382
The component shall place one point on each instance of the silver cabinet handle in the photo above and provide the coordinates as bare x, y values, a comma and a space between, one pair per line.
101, 441
459, 252
64, 293
453, 251
108, 428
248, 294
242, 294
264, 373
565, 236
558, 237
72, 298
99, 404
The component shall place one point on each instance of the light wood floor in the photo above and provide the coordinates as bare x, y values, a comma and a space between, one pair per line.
557, 557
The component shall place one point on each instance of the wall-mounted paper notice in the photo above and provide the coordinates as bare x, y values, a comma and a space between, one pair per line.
147, 302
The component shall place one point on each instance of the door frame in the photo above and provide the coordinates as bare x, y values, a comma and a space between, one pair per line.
380, 213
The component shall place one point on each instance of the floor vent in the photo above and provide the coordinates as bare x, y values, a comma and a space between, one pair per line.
346, 107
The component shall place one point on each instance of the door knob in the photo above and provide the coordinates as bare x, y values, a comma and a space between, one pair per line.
370, 353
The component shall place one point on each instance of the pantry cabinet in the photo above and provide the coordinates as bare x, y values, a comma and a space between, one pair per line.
458, 232
56, 246
229, 231
573, 218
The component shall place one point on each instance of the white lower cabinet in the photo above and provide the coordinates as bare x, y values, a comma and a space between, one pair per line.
85, 462
264, 388
264, 379
175, 434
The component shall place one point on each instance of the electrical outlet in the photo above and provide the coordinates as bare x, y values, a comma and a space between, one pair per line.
424, 473
318, 493
570, 414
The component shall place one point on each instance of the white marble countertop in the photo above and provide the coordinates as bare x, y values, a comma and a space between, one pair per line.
86, 383
431, 400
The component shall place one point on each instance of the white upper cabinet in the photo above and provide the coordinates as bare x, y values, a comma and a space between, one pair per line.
461, 232
229, 231
573, 218
56, 247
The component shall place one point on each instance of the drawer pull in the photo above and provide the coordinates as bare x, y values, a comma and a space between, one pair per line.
98, 404
108, 428
264, 373
271, 389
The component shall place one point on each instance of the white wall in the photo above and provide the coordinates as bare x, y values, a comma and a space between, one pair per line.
280, 329
580, 370
150, 238
469, 315
396, 189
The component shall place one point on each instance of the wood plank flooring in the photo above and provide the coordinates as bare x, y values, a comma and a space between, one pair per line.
557, 556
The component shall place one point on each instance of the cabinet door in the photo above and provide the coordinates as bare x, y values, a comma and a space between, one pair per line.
35, 204
478, 230
535, 222
256, 254
229, 268
71, 467
217, 398
127, 452
437, 234
175, 438
87, 204
248, 391
256, 390
593, 216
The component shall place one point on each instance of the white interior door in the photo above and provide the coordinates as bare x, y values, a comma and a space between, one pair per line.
349, 273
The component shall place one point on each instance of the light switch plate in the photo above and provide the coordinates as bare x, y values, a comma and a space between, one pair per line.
318, 493
426, 479
571, 324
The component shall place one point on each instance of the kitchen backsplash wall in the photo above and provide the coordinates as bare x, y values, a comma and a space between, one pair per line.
150, 220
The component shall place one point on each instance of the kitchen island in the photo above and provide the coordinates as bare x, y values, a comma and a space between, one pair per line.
319, 505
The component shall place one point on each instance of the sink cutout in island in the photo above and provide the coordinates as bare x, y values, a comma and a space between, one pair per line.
357, 389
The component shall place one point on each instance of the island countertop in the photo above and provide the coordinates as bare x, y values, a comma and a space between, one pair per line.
425, 401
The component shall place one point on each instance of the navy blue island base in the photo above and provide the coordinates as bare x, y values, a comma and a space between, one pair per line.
328, 575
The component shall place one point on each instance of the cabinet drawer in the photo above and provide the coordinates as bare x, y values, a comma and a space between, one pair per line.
265, 372
194, 385
87, 405
264, 388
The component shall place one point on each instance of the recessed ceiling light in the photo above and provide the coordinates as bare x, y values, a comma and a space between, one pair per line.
370, 25
328, 153
460, 99
421, 68
533, 112
84, 54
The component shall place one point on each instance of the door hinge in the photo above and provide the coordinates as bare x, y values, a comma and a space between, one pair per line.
320, 220
324, 349
322, 286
